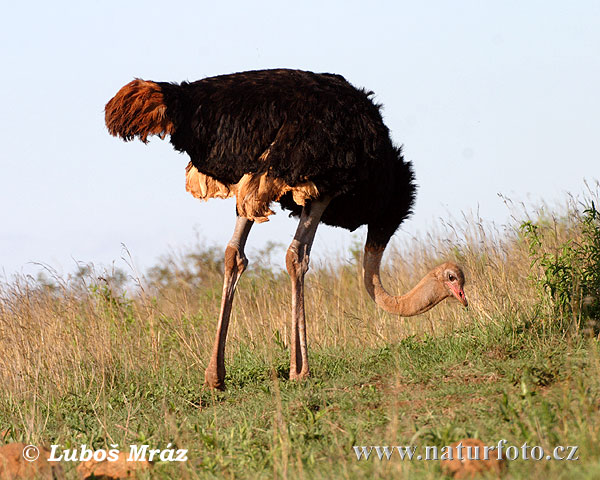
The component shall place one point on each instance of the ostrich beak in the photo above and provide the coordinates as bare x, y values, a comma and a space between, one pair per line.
458, 293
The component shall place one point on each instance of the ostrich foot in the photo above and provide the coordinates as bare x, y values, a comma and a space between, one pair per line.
214, 379
302, 375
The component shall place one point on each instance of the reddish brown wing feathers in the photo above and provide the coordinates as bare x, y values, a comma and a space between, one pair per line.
138, 110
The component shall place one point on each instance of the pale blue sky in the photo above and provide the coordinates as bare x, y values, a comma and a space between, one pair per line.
486, 98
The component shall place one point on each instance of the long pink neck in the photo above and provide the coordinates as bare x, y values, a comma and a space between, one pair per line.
425, 295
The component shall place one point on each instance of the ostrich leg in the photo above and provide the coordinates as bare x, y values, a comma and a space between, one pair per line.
296, 261
235, 264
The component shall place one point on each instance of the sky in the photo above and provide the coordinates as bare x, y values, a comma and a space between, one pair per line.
487, 99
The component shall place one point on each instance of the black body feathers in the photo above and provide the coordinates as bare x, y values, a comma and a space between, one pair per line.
293, 125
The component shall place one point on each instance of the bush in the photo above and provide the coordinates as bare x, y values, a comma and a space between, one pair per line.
570, 271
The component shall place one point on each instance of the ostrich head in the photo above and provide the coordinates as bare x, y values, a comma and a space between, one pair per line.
452, 279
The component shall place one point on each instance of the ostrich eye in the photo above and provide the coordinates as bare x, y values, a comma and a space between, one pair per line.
451, 277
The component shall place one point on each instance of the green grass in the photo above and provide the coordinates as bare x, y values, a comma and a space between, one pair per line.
503, 381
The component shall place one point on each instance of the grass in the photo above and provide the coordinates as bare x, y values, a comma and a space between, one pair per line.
86, 361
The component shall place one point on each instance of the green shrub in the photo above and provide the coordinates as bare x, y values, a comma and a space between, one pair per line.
570, 272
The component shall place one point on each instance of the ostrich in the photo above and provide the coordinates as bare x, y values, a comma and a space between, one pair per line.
311, 142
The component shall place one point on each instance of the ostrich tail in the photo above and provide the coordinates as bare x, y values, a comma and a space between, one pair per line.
138, 110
